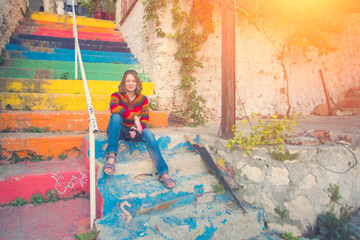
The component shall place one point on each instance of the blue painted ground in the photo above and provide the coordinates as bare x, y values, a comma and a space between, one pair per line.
138, 206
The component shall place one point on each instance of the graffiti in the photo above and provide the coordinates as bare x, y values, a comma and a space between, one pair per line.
125, 215
81, 179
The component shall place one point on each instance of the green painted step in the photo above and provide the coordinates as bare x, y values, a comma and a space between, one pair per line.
27, 73
23, 68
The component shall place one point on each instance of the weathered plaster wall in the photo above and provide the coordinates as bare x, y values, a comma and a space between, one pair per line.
261, 87
11, 12
299, 187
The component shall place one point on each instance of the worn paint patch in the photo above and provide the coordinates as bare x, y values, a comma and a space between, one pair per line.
208, 232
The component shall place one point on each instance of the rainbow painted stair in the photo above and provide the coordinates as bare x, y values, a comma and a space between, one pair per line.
44, 118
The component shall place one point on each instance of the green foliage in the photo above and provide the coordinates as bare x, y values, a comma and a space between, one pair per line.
39, 130
193, 112
265, 133
87, 235
332, 228
90, 5
192, 30
2, 60
27, 108
289, 236
281, 213
283, 156
151, 14
35, 158
18, 202
51, 196
334, 196
65, 76
37, 199
153, 105
110, 6
62, 156
5, 130
218, 188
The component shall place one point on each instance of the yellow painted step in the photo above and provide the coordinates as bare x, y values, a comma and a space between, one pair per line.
80, 20
52, 101
65, 86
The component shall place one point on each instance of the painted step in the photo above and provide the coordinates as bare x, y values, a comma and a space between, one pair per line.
17, 47
47, 144
52, 42
51, 17
68, 178
42, 69
67, 57
212, 219
27, 73
39, 224
64, 121
28, 23
137, 205
64, 86
114, 37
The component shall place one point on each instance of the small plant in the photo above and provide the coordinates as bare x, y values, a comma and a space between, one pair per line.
332, 228
110, 7
289, 236
153, 104
65, 76
27, 108
281, 213
334, 196
283, 156
218, 188
87, 235
35, 158
37, 199
2, 60
39, 130
62, 156
90, 5
5, 130
51, 197
265, 133
18, 202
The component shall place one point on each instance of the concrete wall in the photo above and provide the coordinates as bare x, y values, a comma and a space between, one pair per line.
11, 12
300, 187
259, 76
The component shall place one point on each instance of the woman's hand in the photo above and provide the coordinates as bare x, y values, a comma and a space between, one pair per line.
138, 124
133, 133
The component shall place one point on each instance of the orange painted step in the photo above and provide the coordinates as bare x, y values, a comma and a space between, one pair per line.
48, 145
64, 120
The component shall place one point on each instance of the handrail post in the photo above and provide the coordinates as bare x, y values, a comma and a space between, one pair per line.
92, 123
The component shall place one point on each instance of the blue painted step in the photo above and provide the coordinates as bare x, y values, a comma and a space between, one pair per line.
68, 43
69, 57
17, 47
136, 205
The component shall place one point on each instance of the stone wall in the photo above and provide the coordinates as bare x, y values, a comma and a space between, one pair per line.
299, 187
261, 87
11, 12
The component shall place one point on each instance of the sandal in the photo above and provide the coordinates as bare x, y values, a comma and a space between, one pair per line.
168, 182
110, 166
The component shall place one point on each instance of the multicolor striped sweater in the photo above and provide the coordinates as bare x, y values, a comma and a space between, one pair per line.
121, 104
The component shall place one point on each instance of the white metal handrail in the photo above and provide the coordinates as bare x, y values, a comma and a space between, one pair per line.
93, 128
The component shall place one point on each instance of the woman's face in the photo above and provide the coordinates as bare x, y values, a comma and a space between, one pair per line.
130, 83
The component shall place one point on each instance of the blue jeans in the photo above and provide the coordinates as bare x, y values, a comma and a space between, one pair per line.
116, 131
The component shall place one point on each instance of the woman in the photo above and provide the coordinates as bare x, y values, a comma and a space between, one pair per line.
129, 121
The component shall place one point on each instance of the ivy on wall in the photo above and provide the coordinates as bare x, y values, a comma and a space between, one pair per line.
192, 29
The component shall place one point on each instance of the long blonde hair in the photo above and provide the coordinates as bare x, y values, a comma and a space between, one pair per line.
138, 89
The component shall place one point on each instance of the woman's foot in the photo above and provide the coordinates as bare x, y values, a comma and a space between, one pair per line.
167, 181
109, 166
